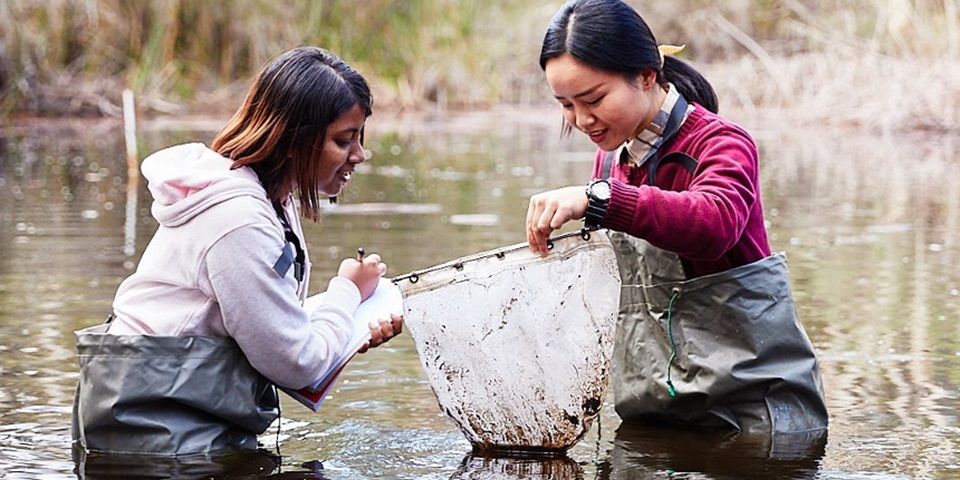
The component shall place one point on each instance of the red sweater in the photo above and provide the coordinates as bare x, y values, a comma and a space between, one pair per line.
712, 218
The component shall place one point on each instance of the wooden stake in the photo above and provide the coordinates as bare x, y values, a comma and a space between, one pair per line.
133, 173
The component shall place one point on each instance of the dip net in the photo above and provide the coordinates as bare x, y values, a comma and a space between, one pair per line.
516, 347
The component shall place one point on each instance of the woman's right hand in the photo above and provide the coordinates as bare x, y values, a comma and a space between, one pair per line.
548, 211
365, 273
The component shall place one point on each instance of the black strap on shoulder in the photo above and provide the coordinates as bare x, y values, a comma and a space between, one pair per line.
686, 161
607, 166
673, 125
287, 257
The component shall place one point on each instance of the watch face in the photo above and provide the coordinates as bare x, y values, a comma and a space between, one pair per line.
600, 190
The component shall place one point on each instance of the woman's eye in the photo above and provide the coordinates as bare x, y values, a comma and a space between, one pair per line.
594, 102
343, 143
566, 106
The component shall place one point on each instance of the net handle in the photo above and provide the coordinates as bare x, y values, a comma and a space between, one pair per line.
414, 276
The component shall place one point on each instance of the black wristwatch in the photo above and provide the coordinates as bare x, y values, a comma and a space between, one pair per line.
598, 196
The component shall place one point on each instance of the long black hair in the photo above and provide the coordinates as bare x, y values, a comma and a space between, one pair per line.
611, 35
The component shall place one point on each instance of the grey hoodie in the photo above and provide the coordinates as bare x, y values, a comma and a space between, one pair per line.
211, 319
209, 271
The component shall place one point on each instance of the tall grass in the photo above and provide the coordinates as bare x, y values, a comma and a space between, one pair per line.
414, 51
880, 63
890, 65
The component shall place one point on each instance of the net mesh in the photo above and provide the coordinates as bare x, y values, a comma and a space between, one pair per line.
517, 347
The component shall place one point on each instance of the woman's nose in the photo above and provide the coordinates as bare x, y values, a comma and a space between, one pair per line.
357, 154
584, 118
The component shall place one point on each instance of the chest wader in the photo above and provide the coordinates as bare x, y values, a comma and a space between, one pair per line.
167, 395
722, 350
175, 395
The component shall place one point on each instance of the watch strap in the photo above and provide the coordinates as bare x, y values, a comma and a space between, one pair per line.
596, 209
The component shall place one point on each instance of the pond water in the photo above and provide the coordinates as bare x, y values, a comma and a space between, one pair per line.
870, 224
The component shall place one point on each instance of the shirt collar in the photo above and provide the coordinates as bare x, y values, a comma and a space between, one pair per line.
636, 148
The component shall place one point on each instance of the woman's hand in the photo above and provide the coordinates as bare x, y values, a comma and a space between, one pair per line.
365, 272
548, 211
383, 330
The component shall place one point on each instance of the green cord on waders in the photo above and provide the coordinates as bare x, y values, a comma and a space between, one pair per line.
673, 344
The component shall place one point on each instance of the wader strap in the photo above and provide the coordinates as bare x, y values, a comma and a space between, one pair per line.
287, 257
607, 164
673, 125
686, 161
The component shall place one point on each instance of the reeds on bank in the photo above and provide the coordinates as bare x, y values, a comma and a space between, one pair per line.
881, 63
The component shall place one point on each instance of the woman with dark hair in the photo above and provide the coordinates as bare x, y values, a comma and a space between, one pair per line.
708, 334
214, 318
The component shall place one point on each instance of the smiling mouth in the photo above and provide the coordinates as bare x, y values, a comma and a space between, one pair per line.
597, 135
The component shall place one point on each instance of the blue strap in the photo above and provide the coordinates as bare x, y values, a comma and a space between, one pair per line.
285, 261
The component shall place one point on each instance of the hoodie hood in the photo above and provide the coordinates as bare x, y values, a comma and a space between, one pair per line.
187, 179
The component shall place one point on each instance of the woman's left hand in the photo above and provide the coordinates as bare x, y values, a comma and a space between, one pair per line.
383, 330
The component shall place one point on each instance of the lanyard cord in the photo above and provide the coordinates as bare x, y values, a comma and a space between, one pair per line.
279, 422
673, 344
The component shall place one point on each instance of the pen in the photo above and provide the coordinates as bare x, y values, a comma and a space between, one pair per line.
360, 254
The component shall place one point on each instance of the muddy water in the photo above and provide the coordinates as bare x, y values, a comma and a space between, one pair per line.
871, 227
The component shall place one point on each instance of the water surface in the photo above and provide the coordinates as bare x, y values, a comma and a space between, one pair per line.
870, 224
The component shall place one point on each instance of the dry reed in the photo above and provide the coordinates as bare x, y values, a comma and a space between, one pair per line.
884, 64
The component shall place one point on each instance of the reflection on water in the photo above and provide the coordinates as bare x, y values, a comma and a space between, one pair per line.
520, 468
871, 227
645, 452
257, 464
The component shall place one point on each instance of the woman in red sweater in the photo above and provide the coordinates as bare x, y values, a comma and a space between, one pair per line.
708, 334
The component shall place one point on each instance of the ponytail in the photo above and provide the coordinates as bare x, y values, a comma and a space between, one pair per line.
611, 35
693, 86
